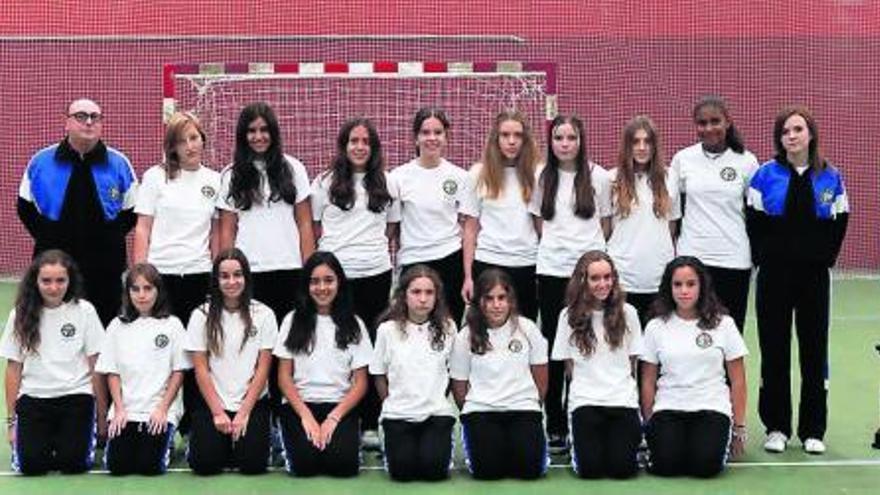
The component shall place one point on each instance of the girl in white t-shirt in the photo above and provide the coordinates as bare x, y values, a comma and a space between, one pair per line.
176, 227
323, 351
645, 205
502, 235
713, 178
264, 208
499, 377
572, 210
143, 359
411, 369
431, 198
351, 206
689, 352
230, 340
51, 342
598, 338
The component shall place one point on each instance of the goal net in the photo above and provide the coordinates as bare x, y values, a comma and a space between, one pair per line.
312, 101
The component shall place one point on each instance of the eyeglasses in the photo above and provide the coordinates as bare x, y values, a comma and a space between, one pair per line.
84, 117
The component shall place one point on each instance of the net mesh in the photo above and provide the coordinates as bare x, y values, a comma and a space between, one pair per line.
614, 59
311, 109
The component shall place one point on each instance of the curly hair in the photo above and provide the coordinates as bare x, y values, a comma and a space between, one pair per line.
29, 302
709, 307
581, 303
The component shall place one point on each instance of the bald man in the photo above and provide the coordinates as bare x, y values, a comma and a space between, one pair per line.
78, 195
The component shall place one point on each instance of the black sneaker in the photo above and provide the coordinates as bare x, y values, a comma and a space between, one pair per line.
557, 444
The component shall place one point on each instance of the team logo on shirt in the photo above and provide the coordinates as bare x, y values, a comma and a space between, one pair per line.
450, 187
208, 192
515, 345
68, 330
704, 340
728, 174
114, 193
437, 345
161, 341
827, 196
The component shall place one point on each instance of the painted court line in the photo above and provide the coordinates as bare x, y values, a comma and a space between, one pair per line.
837, 463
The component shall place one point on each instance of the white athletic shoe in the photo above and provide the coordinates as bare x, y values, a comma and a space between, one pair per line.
370, 440
776, 442
814, 446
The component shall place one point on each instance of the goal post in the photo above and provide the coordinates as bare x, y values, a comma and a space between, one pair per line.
313, 99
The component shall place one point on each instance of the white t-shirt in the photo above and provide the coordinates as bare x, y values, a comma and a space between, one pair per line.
267, 232
232, 370
692, 363
713, 225
501, 378
417, 370
567, 236
69, 335
326, 373
144, 353
429, 202
182, 209
641, 244
357, 236
507, 234
604, 378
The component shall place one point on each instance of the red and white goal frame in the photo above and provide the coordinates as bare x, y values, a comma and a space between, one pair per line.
313, 98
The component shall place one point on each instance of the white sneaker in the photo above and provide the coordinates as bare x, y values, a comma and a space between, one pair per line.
370, 440
776, 442
814, 446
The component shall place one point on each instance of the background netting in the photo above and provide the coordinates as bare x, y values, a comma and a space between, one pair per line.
310, 110
614, 59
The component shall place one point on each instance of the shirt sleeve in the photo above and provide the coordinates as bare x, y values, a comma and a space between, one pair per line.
9, 348
300, 179
649, 352
674, 195
734, 345
379, 363
131, 194
537, 196
362, 352
281, 349
94, 336
107, 358
268, 329
467, 200
460, 359
179, 359
394, 191
561, 349
148, 193
537, 343
602, 183
634, 327
195, 332
223, 201
318, 198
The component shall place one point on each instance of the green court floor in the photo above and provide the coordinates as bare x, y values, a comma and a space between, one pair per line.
850, 466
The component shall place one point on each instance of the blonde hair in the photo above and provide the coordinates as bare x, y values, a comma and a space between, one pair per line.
175, 127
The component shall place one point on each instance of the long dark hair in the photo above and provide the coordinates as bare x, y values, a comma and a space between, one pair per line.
585, 204
29, 303
581, 304
476, 320
438, 320
215, 306
342, 187
624, 188
161, 307
244, 188
709, 307
301, 338
732, 138
814, 157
